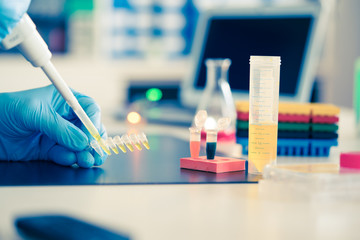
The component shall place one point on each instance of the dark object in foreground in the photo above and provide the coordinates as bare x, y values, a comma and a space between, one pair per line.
62, 227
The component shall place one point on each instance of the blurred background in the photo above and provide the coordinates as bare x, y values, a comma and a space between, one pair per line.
113, 49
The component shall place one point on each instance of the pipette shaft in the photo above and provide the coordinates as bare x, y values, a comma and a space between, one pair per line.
69, 97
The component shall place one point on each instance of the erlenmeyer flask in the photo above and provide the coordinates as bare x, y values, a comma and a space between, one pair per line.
217, 99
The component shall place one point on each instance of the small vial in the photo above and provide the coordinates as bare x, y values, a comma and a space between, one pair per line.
104, 146
135, 141
109, 142
120, 143
143, 139
96, 146
125, 138
211, 139
195, 137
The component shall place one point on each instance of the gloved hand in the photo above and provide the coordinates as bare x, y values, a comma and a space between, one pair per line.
10, 14
38, 124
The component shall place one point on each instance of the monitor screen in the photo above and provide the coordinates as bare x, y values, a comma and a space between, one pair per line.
239, 38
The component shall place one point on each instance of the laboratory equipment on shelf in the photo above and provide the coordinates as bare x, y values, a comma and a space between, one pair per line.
217, 98
263, 111
28, 41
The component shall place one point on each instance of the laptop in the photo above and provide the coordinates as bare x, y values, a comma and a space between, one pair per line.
294, 33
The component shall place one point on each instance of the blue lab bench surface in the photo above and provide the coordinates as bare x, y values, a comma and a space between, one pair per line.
159, 165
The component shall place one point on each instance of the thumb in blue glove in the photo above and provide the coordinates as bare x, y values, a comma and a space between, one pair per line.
10, 14
38, 124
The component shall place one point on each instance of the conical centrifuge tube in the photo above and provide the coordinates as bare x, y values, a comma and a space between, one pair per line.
125, 138
109, 141
195, 139
120, 143
135, 141
96, 146
99, 148
142, 137
104, 146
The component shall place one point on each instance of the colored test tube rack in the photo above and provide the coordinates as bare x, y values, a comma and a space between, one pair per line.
211, 162
308, 129
216, 165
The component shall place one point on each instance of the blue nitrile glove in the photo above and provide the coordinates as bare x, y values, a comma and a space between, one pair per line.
11, 11
38, 124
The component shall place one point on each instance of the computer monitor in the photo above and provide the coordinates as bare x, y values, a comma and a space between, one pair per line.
268, 31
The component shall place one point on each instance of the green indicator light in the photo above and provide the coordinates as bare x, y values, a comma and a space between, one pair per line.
153, 94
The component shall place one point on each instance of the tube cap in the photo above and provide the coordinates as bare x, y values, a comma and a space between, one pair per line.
265, 60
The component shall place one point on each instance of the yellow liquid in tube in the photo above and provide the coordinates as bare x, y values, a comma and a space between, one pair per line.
130, 147
116, 151
122, 147
146, 144
138, 146
262, 144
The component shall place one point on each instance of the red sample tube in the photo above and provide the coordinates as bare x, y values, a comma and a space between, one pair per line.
195, 137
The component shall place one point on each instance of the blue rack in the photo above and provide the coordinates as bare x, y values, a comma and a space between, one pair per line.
298, 147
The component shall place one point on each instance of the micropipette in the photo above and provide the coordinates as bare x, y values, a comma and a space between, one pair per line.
28, 41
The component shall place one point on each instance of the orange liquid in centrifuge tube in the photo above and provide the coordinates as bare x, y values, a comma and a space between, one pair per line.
194, 149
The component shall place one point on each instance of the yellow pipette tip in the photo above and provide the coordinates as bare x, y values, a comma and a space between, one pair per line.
95, 145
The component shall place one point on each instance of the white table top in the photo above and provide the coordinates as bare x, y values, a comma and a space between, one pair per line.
217, 211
